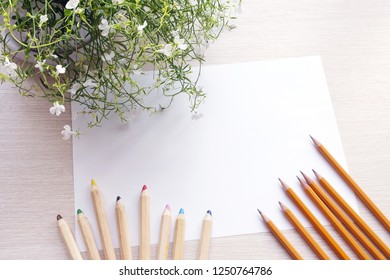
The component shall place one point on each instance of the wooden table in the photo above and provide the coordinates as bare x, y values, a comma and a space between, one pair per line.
351, 36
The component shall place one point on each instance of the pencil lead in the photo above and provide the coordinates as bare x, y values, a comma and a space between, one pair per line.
300, 181
93, 183
79, 212
168, 207
59, 217
263, 216
118, 198
318, 176
315, 141
209, 212
284, 207
181, 211
307, 178
284, 185
144, 188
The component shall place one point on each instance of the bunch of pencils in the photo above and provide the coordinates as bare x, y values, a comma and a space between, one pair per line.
123, 230
352, 228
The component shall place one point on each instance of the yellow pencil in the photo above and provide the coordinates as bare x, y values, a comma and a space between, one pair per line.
89, 239
178, 238
205, 240
280, 237
123, 230
68, 238
104, 230
165, 232
304, 233
145, 224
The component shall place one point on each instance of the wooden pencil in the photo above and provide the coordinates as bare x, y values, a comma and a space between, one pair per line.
165, 233
353, 185
355, 217
315, 222
344, 219
123, 230
89, 239
178, 238
280, 237
104, 230
68, 238
145, 224
304, 233
205, 239
353, 244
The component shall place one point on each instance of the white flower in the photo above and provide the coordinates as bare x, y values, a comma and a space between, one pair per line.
60, 69
117, 2
39, 65
90, 83
75, 87
175, 33
57, 109
72, 4
108, 56
10, 65
180, 43
52, 54
104, 27
42, 19
67, 132
141, 27
167, 50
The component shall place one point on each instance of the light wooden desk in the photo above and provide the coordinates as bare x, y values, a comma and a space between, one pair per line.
353, 39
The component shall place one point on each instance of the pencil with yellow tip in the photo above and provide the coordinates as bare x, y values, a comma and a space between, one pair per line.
123, 230
280, 237
205, 239
178, 238
165, 232
89, 239
68, 238
104, 229
145, 224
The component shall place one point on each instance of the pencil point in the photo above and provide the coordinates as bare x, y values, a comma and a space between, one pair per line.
284, 207
181, 211
118, 198
300, 180
263, 216
307, 178
209, 212
259, 211
93, 183
284, 185
315, 141
144, 188
168, 207
79, 212
318, 176
59, 217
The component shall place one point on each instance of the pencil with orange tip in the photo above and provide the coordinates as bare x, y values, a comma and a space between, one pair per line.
304, 233
205, 239
145, 224
178, 238
315, 222
353, 185
89, 239
165, 232
280, 237
68, 238
353, 244
104, 229
123, 230
355, 217
344, 219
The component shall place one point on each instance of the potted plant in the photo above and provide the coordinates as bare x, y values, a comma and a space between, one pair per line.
91, 51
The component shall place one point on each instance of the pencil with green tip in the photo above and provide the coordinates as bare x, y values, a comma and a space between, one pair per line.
88, 237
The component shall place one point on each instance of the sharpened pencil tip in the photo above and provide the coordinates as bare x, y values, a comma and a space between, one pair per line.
300, 180
284, 207
315, 141
259, 211
118, 198
168, 207
307, 178
144, 188
59, 217
93, 183
209, 212
284, 185
319, 177
79, 212
181, 211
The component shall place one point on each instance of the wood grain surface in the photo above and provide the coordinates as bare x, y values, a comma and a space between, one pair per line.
351, 36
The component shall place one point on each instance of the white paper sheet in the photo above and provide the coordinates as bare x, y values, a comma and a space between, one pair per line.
255, 128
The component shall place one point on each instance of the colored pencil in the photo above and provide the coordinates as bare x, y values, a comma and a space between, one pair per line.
353, 185
355, 217
344, 219
68, 238
104, 230
178, 238
165, 232
280, 237
315, 222
89, 239
205, 240
334, 221
304, 233
145, 224
123, 230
